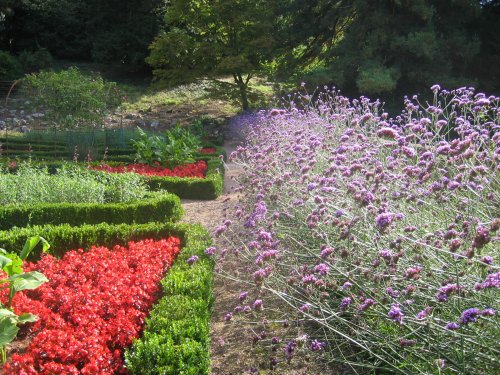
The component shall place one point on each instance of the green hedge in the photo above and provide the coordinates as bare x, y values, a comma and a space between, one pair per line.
206, 188
176, 339
158, 206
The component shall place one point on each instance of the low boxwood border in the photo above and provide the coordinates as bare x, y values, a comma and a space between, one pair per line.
158, 206
176, 339
210, 187
206, 188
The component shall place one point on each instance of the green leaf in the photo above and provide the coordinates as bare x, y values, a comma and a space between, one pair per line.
27, 318
28, 280
29, 246
6, 313
16, 265
45, 245
4, 261
8, 330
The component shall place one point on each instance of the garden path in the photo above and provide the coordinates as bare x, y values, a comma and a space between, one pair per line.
232, 351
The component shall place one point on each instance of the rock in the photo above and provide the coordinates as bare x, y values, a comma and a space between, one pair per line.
21, 112
23, 122
154, 124
37, 115
131, 116
24, 129
13, 112
27, 102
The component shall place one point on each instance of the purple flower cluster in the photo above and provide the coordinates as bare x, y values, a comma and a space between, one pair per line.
369, 218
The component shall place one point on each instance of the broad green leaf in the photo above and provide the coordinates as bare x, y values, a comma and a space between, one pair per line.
4, 261
29, 246
8, 330
5, 313
27, 318
28, 280
15, 267
45, 245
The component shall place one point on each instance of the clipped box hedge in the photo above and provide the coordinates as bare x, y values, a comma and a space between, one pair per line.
206, 188
176, 339
157, 206
210, 187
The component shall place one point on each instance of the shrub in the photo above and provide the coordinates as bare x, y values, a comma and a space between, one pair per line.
10, 68
176, 147
72, 98
34, 61
31, 185
381, 234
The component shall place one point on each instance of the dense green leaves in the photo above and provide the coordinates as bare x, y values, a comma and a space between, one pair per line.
73, 99
213, 39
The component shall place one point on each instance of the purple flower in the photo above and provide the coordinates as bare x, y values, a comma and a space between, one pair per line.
219, 230
487, 259
452, 326
386, 132
396, 314
258, 304
424, 313
192, 260
492, 281
290, 348
385, 253
228, 316
469, 316
384, 220
366, 304
317, 346
488, 312
305, 307
326, 252
322, 269
393, 293
346, 285
344, 304
210, 251
435, 88
406, 342
243, 296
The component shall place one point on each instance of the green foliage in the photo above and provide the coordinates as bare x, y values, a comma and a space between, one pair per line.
176, 339
10, 68
177, 336
211, 39
111, 31
158, 206
427, 42
65, 237
72, 98
176, 147
206, 188
32, 185
16, 281
34, 61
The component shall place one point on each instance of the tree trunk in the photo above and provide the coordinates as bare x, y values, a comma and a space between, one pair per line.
242, 85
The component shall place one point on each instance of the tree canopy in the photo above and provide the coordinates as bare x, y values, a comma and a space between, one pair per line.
212, 39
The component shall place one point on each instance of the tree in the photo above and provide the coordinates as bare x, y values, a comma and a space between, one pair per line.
212, 39
397, 46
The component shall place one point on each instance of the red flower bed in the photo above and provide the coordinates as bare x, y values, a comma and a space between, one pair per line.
92, 308
208, 150
197, 169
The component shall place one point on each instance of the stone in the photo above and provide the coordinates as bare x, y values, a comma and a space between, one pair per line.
154, 124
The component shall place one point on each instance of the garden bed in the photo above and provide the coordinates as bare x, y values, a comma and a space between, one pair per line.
176, 338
